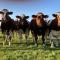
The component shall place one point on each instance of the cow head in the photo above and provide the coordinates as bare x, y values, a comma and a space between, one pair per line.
40, 16
22, 18
57, 15
57, 18
5, 13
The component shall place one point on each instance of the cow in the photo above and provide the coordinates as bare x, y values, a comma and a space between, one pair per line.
23, 26
39, 26
54, 29
6, 25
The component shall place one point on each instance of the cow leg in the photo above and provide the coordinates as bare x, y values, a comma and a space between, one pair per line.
9, 40
9, 36
56, 40
52, 44
51, 39
20, 35
46, 35
56, 43
36, 38
4, 40
33, 37
16, 34
43, 40
13, 33
26, 36
4, 36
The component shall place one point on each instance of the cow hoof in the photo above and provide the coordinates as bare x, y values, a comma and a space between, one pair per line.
3, 44
27, 44
57, 45
52, 47
9, 44
44, 45
35, 45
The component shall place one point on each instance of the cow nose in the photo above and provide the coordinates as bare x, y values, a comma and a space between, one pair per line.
18, 19
39, 16
22, 18
22, 23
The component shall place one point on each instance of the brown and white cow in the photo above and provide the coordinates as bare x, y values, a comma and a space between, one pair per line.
38, 26
55, 30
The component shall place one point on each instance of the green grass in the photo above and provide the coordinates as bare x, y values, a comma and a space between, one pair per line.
24, 52
39, 54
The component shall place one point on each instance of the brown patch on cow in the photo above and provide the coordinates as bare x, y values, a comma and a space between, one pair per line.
40, 22
57, 21
58, 18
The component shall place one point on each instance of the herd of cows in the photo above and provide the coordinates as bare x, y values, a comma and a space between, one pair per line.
37, 26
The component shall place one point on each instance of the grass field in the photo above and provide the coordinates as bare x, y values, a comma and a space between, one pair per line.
23, 52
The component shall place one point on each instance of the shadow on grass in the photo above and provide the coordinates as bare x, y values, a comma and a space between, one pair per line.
23, 46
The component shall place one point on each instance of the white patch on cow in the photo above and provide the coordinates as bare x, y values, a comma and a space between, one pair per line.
58, 17
54, 37
0, 23
58, 13
1, 16
17, 19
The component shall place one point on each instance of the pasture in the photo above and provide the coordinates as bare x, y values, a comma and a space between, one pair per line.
20, 51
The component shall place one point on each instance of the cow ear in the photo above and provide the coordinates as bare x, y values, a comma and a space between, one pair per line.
45, 16
54, 15
10, 13
1, 12
33, 15
26, 17
18, 17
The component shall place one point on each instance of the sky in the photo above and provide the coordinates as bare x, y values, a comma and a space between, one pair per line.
30, 7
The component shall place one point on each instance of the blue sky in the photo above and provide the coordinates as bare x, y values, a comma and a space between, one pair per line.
30, 7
